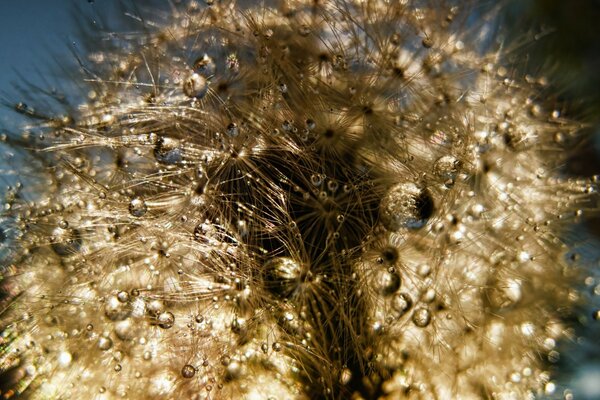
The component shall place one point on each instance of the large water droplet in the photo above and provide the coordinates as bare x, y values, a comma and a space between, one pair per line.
205, 66
386, 282
166, 320
188, 371
116, 310
167, 150
401, 303
283, 275
66, 242
137, 207
195, 86
447, 168
405, 205
421, 317
104, 343
232, 130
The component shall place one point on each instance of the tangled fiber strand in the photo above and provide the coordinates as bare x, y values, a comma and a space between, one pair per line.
339, 199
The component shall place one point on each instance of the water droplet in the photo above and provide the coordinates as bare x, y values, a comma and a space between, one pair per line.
123, 296
401, 303
205, 66
505, 292
104, 343
137, 207
332, 185
66, 242
234, 370
447, 168
124, 329
167, 150
282, 275
405, 205
421, 317
166, 320
64, 359
116, 310
188, 371
195, 86
316, 180
238, 326
287, 126
386, 282
232, 130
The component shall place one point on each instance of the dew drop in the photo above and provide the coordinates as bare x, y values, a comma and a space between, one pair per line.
123, 296
166, 320
104, 343
195, 86
124, 329
205, 66
386, 282
233, 370
64, 359
332, 185
316, 180
282, 275
232, 130
137, 207
167, 150
116, 310
66, 242
446, 168
401, 303
405, 205
188, 371
421, 317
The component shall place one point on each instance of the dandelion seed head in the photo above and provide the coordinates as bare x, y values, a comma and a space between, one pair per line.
298, 200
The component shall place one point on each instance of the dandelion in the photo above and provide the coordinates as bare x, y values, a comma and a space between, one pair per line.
340, 199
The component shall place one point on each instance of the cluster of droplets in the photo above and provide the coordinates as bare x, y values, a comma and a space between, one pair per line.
304, 201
